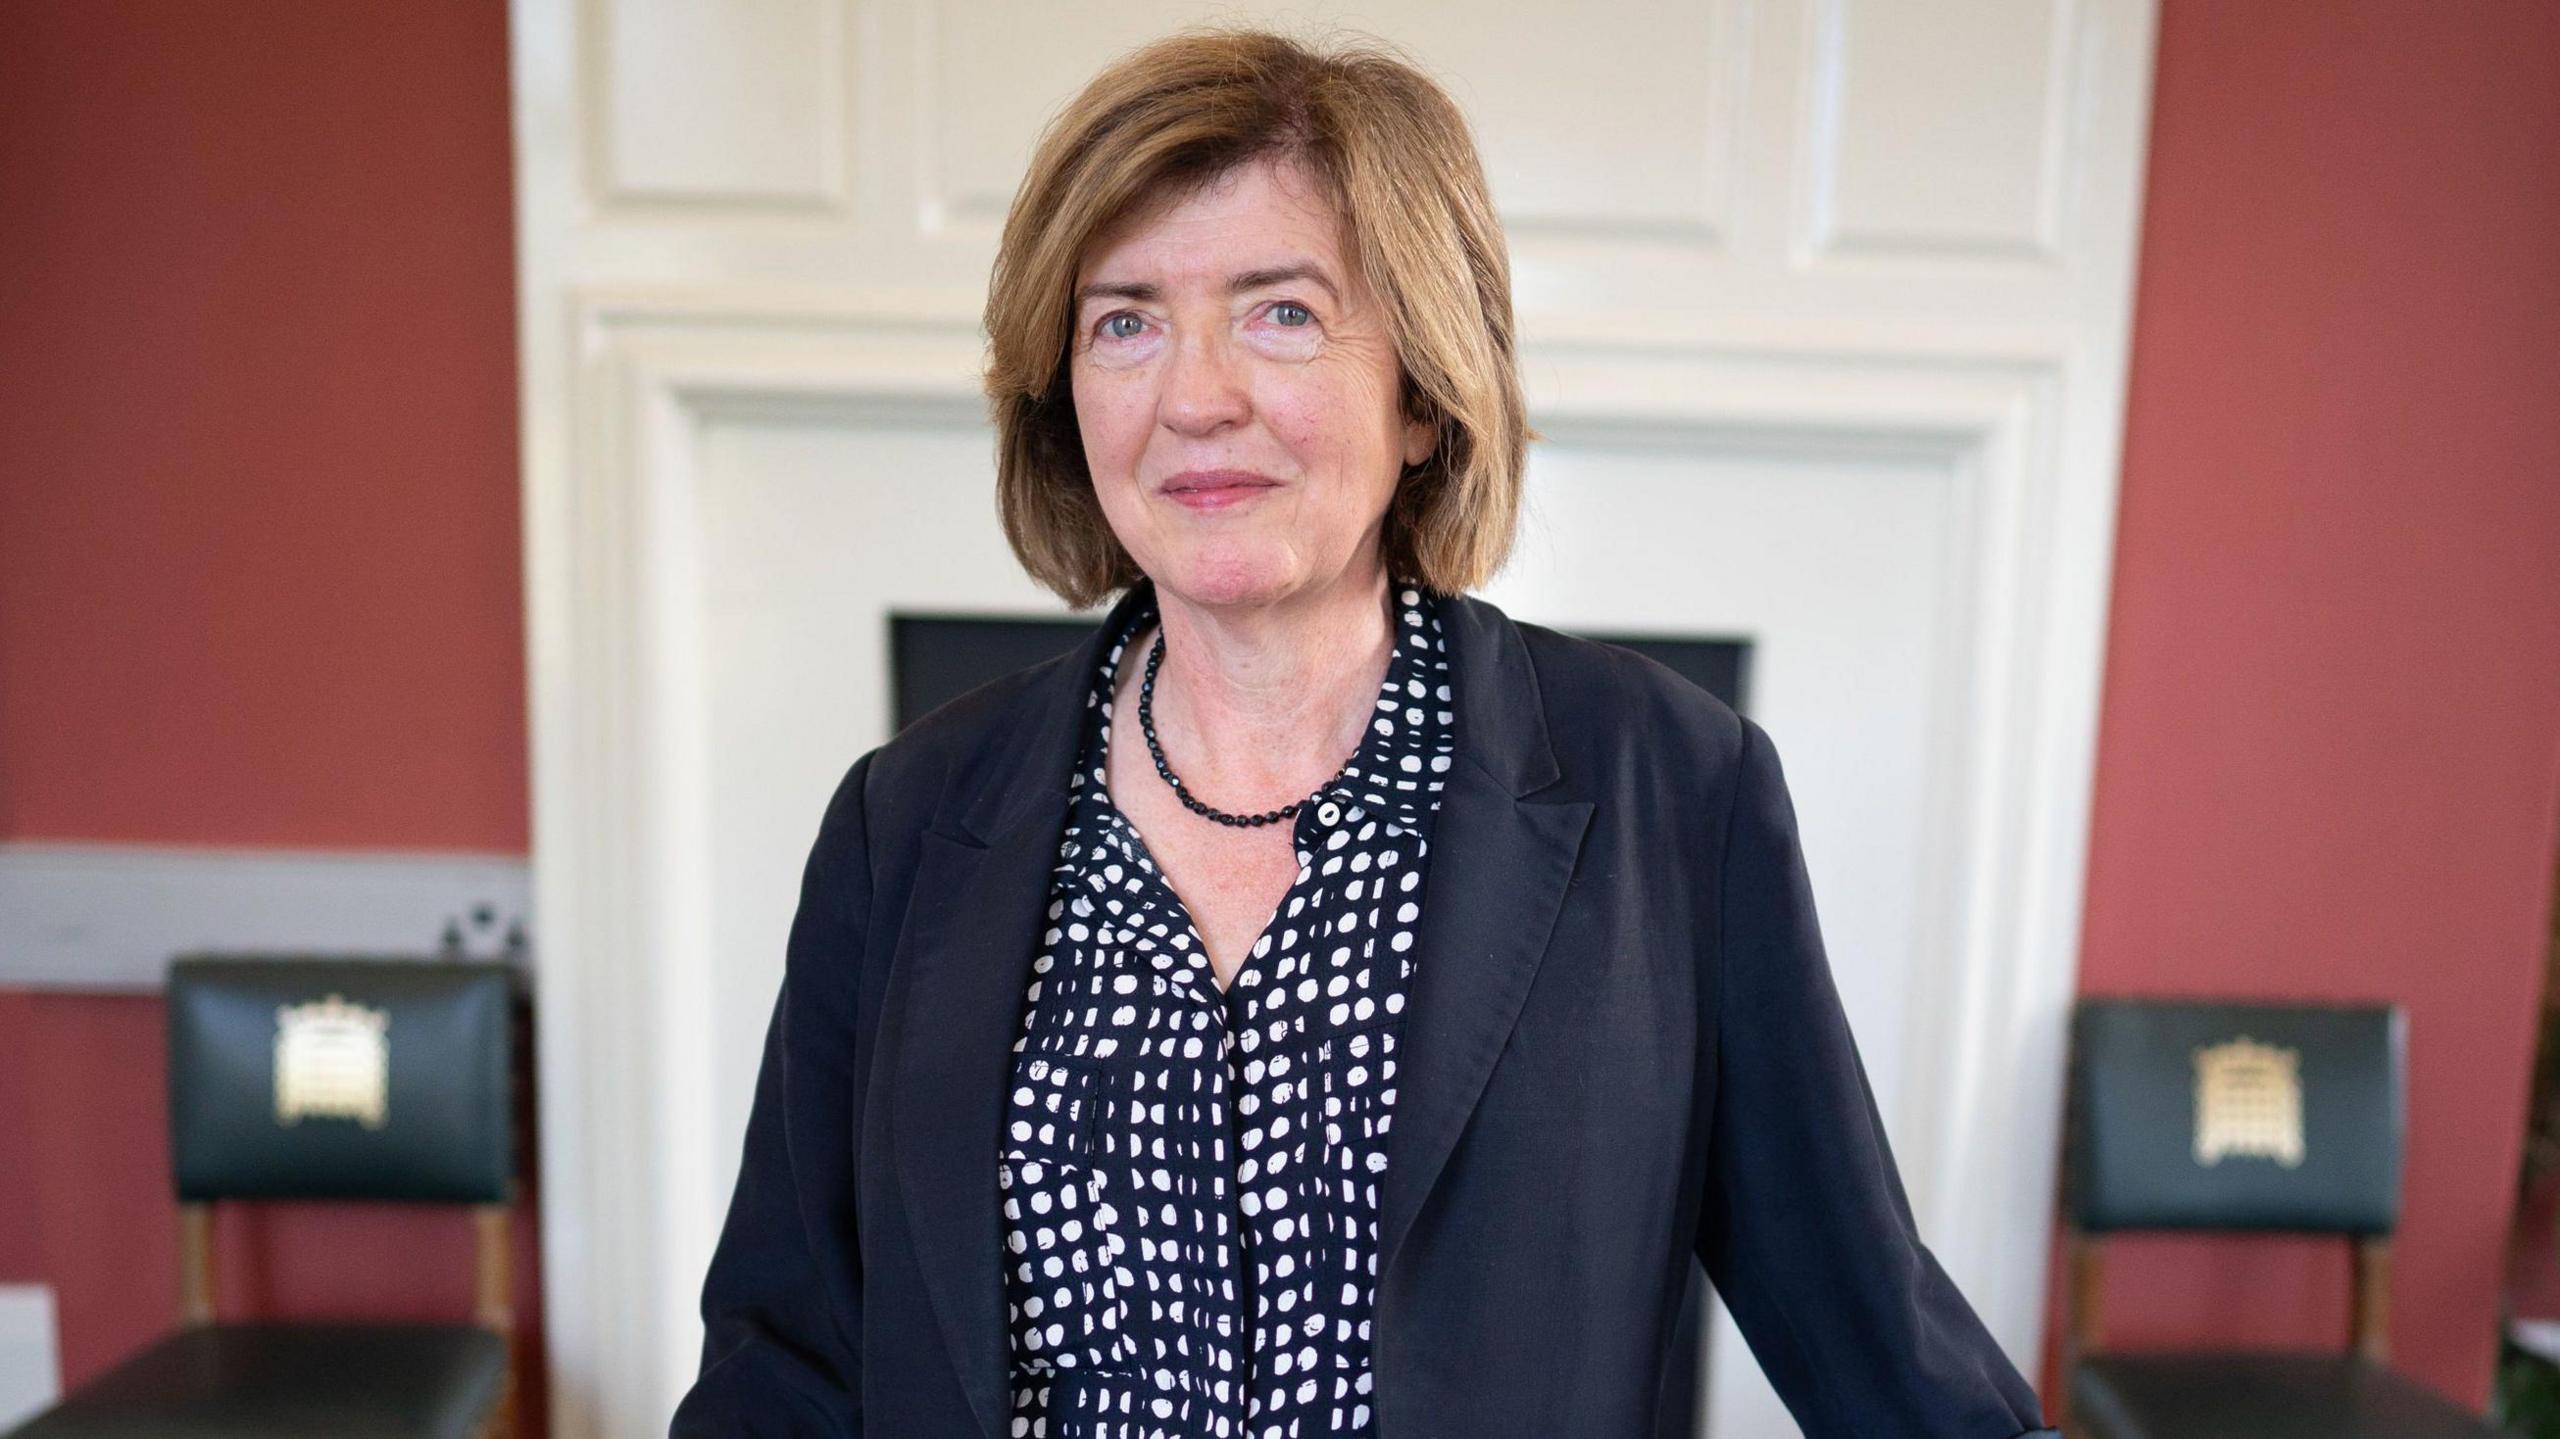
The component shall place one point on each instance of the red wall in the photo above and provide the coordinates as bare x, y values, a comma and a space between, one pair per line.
259, 572
259, 575
2330, 749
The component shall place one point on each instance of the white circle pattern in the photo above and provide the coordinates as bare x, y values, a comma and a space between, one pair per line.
1190, 1176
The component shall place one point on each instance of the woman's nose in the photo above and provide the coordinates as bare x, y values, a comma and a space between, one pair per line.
1203, 388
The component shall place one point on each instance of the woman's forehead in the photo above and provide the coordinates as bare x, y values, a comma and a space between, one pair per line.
1244, 237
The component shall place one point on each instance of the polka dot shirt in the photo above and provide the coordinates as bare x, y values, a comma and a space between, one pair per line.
1190, 1175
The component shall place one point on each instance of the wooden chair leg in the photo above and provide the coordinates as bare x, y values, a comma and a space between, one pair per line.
195, 1263
2084, 1275
497, 1307
2373, 1299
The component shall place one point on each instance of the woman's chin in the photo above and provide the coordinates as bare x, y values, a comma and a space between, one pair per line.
1233, 573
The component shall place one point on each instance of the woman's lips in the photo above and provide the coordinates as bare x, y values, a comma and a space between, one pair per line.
1218, 494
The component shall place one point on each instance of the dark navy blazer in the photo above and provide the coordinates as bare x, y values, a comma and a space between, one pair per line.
1623, 1056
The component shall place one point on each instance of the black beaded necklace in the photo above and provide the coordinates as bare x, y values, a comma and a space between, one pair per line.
1147, 723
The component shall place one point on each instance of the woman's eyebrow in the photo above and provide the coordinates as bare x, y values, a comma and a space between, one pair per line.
1278, 274
1144, 291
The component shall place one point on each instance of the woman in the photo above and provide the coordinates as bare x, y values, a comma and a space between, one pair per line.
1368, 1049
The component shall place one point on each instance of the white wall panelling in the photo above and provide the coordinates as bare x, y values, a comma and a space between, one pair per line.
1824, 306
739, 107
30, 1353
111, 916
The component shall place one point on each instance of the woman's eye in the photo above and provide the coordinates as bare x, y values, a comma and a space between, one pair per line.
1286, 308
1113, 320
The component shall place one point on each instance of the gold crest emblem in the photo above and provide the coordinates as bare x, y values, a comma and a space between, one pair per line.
2248, 1102
333, 1061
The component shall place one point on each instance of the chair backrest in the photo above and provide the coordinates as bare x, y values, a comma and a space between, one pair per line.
341, 1077
2190, 1114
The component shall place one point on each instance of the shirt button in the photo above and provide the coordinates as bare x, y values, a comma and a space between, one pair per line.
1328, 812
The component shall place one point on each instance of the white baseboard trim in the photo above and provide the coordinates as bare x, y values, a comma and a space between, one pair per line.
109, 916
30, 1360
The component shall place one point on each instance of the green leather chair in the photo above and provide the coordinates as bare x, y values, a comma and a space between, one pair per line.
2240, 1117
327, 1078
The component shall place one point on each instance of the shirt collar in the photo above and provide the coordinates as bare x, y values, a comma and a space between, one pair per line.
1403, 760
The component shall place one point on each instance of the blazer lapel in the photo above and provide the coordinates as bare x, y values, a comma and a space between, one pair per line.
955, 997
1494, 882
1497, 874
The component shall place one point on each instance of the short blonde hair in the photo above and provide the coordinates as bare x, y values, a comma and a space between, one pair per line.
1395, 156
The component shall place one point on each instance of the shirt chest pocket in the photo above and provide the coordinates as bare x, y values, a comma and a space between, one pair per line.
1066, 1280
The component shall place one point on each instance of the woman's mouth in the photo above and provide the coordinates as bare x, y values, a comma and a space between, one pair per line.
1217, 489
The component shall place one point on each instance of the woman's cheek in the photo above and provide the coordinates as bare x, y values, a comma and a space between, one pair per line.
1113, 411
1303, 412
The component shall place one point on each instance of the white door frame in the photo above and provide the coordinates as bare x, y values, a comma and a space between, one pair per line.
628, 353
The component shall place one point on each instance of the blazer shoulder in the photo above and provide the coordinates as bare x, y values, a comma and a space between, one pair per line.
910, 769
1611, 701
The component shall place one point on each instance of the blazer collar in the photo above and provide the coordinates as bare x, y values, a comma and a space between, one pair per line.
1502, 852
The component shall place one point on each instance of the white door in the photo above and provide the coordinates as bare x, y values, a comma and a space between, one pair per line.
1824, 310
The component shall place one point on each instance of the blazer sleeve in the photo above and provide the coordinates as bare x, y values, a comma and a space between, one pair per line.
782, 1300
1805, 1228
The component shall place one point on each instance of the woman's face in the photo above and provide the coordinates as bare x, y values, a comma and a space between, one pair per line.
1236, 388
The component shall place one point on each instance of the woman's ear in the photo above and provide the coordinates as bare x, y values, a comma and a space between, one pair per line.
1421, 437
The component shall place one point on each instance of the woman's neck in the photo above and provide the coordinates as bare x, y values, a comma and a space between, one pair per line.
1257, 705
